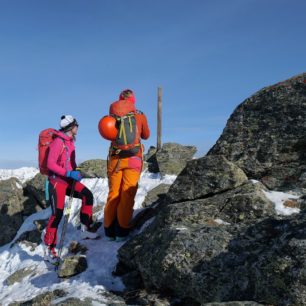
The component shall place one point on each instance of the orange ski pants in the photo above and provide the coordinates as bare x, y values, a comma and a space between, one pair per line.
123, 177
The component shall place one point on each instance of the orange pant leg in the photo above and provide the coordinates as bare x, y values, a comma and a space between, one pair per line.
127, 196
114, 181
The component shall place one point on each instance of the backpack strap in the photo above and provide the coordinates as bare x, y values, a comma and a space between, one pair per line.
122, 131
116, 151
67, 155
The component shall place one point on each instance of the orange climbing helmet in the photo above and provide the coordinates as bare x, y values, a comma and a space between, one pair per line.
107, 128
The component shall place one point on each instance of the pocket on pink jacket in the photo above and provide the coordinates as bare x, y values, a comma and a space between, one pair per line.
135, 162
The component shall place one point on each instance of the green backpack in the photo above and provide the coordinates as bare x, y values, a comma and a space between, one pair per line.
127, 142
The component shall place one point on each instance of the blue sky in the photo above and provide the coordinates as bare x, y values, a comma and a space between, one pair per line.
74, 57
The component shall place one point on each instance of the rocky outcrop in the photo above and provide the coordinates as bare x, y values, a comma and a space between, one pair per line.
170, 159
60, 298
36, 188
32, 238
265, 136
72, 265
235, 303
217, 238
14, 207
19, 275
156, 195
227, 247
94, 168
43, 299
205, 176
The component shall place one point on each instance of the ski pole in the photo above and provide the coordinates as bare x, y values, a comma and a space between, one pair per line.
66, 217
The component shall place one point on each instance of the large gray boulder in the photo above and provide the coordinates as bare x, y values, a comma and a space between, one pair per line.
60, 298
36, 188
234, 303
72, 265
265, 136
205, 176
156, 195
43, 299
94, 168
228, 247
217, 238
14, 207
19, 275
170, 159
32, 238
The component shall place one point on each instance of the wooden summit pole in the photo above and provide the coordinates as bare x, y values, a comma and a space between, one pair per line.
159, 117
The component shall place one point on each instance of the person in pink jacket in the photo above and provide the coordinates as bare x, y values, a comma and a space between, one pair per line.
62, 176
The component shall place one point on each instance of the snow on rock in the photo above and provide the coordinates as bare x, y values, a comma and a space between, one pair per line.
101, 255
22, 174
279, 198
220, 221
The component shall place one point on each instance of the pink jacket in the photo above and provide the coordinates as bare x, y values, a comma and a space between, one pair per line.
61, 156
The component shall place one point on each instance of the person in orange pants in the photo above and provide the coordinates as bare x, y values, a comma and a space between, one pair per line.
124, 167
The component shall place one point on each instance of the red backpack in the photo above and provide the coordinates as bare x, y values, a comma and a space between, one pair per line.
45, 139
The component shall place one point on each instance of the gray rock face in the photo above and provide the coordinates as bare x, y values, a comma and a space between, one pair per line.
143, 298
72, 265
205, 176
19, 275
228, 247
171, 159
14, 206
94, 168
43, 299
234, 303
153, 201
32, 238
265, 136
156, 195
150, 160
59, 297
36, 188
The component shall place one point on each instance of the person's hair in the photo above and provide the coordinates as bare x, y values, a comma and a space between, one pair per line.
126, 93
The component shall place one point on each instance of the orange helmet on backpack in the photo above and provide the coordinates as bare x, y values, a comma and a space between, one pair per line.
107, 128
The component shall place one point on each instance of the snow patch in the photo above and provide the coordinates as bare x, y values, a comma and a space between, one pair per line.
181, 228
219, 221
18, 185
279, 198
254, 181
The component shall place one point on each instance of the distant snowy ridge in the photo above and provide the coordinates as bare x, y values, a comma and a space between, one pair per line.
22, 174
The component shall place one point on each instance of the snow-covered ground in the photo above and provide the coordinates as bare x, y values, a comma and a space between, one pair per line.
101, 254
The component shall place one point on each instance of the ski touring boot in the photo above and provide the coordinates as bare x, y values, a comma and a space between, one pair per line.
90, 232
50, 255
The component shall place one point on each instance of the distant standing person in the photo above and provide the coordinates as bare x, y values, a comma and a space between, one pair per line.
124, 165
62, 177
